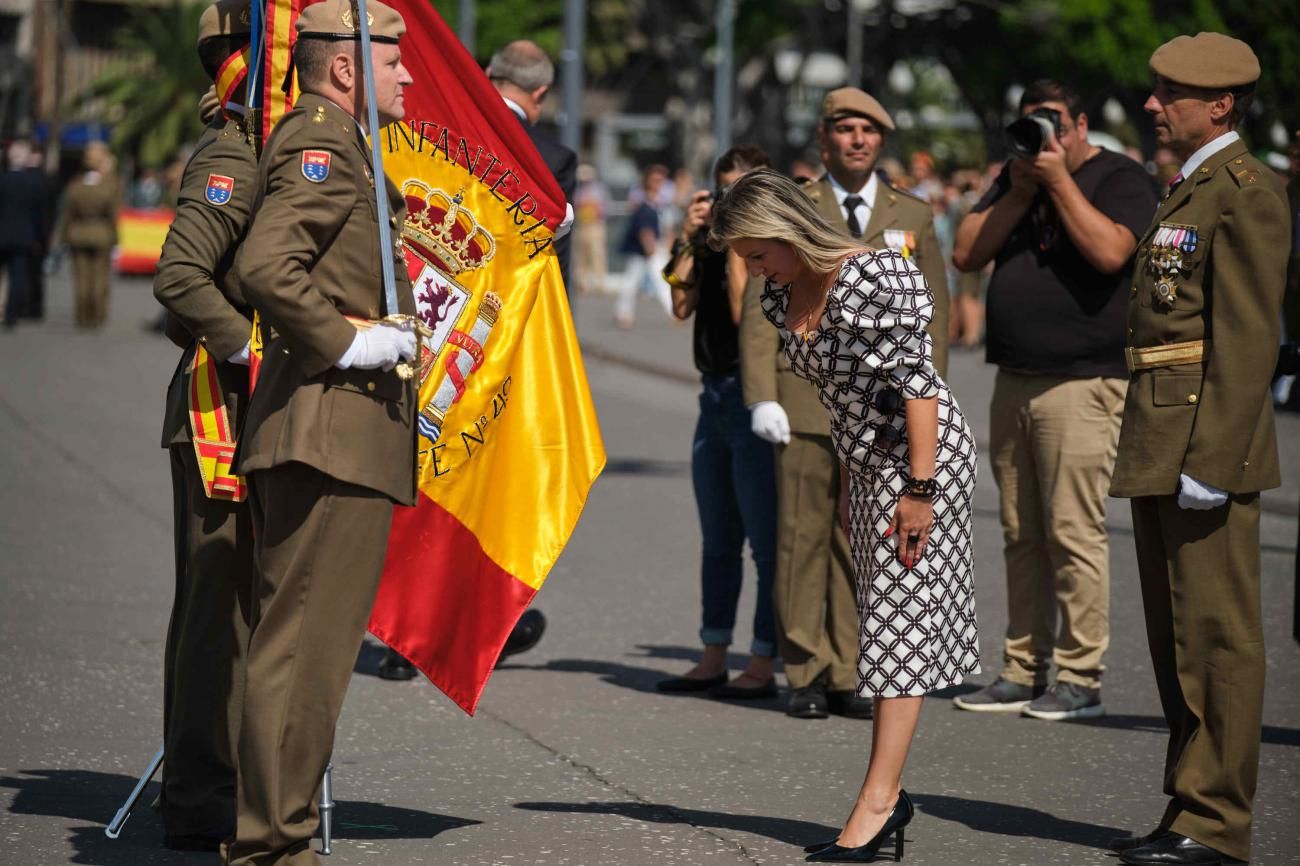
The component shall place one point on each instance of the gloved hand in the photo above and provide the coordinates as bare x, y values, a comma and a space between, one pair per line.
241, 357
1198, 495
380, 346
769, 422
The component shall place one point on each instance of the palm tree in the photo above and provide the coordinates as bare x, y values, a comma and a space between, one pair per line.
150, 97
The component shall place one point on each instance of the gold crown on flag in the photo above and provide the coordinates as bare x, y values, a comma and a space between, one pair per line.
439, 227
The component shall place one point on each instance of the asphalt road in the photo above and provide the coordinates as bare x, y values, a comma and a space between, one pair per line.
573, 757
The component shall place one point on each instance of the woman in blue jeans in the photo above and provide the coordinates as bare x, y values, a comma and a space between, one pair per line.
732, 469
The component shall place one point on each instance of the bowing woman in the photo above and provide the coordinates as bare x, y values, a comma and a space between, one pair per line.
852, 322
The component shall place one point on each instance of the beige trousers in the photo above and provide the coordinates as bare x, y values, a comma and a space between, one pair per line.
1053, 442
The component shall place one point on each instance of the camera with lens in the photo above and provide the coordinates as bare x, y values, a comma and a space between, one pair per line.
1029, 135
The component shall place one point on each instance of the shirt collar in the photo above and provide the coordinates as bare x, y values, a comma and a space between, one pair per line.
516, 108
1207, 150
867, 193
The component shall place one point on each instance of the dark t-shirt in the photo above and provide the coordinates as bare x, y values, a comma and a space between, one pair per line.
1048, 310
644, 217
717, 339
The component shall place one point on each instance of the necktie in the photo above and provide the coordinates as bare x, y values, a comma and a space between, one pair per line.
851, 204
1174, 182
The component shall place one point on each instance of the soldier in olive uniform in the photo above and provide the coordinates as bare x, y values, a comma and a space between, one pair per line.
1197, 443
208, 634
816, 604
328, 446
90, 231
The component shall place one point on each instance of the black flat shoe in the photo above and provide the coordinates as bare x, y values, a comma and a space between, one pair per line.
849, 705
899, 817
524, 636
1173, 849
731, 692
394, 666
808, 702
691, 684
1120, 844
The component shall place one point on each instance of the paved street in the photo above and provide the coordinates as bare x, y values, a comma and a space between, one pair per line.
573, 757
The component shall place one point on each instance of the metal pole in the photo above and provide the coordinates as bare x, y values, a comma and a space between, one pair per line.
575, 36
465, 25
326, 807
854, 48
377, 164
723, 74
114, 828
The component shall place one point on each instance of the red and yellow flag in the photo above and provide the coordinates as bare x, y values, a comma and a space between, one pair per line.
508, 439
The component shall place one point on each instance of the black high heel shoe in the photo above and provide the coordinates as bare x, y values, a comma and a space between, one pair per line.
899, 817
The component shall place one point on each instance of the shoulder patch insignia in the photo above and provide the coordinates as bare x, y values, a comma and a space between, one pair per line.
316, 165
219, 190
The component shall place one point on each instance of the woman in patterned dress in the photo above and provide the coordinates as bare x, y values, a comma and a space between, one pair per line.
852, 322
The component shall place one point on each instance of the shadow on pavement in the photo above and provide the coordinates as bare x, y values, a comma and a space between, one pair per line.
638, 466
786, 830
1271, 735
1006, 820
358, 819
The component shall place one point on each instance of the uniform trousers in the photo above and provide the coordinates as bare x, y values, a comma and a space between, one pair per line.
1200, 589
1053, 441
319, 549
26, 294
90, 272
816, 598
207, 642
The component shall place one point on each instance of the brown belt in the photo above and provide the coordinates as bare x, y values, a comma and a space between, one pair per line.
1168, 355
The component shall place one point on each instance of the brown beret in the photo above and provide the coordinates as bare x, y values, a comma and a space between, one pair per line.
225, 18
334, 19
851, 102
1209, 60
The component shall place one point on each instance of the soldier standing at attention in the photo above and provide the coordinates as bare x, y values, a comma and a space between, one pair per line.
1197, 444
329, 442
816, 608
208, 317
90, 231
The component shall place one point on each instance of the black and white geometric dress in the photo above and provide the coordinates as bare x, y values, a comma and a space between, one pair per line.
917, 631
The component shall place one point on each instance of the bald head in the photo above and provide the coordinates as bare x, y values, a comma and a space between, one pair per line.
522, 73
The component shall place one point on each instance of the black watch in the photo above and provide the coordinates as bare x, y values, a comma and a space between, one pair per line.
921, 488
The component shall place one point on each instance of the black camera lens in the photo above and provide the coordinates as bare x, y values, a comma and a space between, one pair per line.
1029, 135
887, 401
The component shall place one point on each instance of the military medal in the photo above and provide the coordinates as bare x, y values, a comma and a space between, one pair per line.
1169, 245
903, 242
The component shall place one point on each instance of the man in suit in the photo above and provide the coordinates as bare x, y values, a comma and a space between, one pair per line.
816, 601
1197, 443
329, 444
25, 222
207, 314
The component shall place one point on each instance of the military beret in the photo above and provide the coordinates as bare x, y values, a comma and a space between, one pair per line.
851, 102
335, 19
225, 18
1209, 60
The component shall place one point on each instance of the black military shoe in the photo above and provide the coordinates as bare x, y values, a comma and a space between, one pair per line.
193, 842
1120, 844
1172, 849
527, 632
394, 666
846, 703
808, 702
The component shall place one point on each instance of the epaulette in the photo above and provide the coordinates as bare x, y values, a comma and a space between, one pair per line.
907, 194
1242, 173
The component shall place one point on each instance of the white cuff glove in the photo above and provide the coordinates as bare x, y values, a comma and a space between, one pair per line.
241, 357
769, 422
1198, 495
382, 346
567, 225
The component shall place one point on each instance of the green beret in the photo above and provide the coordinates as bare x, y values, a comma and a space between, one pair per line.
1209, 60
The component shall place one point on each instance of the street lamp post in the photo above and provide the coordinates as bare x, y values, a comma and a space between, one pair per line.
575, 20
465, 24
724, 71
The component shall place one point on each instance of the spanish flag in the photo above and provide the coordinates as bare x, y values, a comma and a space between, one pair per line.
508, 441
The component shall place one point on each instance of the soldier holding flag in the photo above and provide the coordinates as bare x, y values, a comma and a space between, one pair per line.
210, 320
329, 444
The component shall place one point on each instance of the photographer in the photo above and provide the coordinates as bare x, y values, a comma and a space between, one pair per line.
1060, 223
732, 469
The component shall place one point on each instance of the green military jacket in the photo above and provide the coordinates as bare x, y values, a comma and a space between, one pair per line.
765, 372
311, 258
195, 280
90, 213
1212, 419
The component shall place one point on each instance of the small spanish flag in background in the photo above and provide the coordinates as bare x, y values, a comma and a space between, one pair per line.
508, 439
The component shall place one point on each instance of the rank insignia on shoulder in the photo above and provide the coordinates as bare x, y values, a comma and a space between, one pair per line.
220, 188
316, 165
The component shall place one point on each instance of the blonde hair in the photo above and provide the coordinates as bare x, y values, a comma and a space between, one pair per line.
767, 205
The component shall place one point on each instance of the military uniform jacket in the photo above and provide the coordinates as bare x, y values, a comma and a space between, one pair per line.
1212, 420
195, 279
765, 372
90, 213
311, 258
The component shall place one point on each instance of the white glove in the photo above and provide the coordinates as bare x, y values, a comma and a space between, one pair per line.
382, 346
769, 422
1198, 495
241, 357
